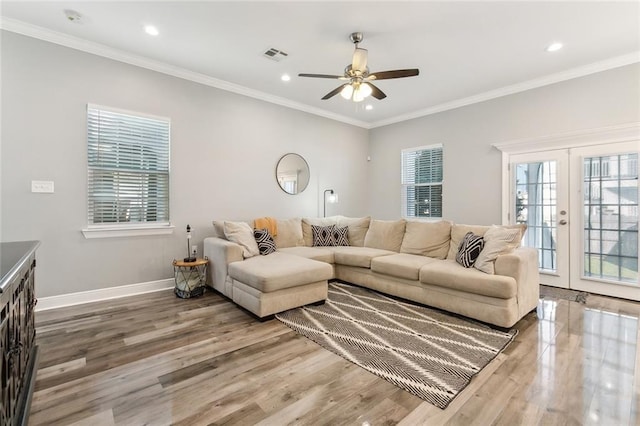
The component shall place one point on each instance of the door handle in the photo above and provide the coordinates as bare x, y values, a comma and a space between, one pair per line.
563, 222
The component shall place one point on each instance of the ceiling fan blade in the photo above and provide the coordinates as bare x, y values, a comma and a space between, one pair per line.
321, 76
385, 75
334, 92
359, 62
376, 93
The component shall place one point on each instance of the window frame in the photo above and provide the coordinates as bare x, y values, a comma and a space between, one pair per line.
403, 185
127, 229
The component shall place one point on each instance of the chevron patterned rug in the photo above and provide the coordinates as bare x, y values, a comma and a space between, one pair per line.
426, 352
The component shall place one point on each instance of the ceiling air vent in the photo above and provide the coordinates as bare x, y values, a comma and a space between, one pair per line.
275, 54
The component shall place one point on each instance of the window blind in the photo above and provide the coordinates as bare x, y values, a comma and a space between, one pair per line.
128, 167
422, 176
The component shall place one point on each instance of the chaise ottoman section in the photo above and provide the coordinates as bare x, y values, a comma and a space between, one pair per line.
266, 285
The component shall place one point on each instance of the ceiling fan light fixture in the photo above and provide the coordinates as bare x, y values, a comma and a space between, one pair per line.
365, 90
347, 91
358, 94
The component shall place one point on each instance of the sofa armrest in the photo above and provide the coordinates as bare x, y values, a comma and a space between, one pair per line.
522, 265
221, 253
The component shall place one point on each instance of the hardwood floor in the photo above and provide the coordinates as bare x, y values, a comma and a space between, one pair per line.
156, 359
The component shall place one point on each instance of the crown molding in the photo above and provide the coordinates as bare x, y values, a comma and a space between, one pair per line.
98, 49
628, 132
593, 68
55, 37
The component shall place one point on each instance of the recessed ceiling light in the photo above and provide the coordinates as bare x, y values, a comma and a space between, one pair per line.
285, 77
73, 16
554, 47
369, 107
151, 30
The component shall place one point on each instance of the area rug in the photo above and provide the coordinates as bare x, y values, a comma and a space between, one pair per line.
426, 352
548, 292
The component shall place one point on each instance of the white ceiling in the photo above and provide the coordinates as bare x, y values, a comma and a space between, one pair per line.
466, 51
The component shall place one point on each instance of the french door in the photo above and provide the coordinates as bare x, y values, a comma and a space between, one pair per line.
580, 206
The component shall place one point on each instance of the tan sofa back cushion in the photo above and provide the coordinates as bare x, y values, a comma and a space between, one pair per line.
427, 238
385, 234
289, 233
307, 234
358, 227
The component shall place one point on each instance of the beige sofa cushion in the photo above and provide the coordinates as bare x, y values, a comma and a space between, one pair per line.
278, 271
400, 265
307, 234
289, 233
242, 234
427, 238
385, 234
448, 273
358, 227
357, 256
323, 254
497, 240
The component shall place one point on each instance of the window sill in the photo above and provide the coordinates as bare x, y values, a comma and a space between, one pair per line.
422, 219
116, 231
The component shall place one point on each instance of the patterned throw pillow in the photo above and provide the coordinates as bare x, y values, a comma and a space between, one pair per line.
469, 249
341, 236
266, 245
323, 235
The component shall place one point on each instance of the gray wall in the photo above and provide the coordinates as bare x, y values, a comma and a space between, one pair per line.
472, 168
224, 150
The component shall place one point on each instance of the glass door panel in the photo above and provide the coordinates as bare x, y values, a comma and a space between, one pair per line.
608, 196
539, 202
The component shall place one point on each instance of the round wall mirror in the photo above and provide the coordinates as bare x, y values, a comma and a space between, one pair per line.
292, 173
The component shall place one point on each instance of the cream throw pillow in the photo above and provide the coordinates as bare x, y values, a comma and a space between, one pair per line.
497, 240
427, 238
358, 227
218, 227
289, 233
242, 234
385, 234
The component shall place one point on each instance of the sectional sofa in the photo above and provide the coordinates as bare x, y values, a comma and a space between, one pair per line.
414, 260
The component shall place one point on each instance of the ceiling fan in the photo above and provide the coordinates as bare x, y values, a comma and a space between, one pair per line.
359, 80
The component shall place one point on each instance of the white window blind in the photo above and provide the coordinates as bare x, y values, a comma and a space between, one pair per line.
422, 171
128, 167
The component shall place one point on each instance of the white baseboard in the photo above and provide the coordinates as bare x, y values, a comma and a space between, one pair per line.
53, 302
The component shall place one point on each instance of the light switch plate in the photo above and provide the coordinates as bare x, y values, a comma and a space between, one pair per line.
44, 186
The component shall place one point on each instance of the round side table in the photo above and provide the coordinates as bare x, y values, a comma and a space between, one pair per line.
190, 277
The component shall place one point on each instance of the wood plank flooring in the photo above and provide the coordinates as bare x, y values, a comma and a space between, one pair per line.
158, 360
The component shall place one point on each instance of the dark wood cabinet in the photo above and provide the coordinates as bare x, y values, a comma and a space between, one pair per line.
18, 351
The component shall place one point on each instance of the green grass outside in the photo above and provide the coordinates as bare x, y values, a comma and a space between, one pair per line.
610, 271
